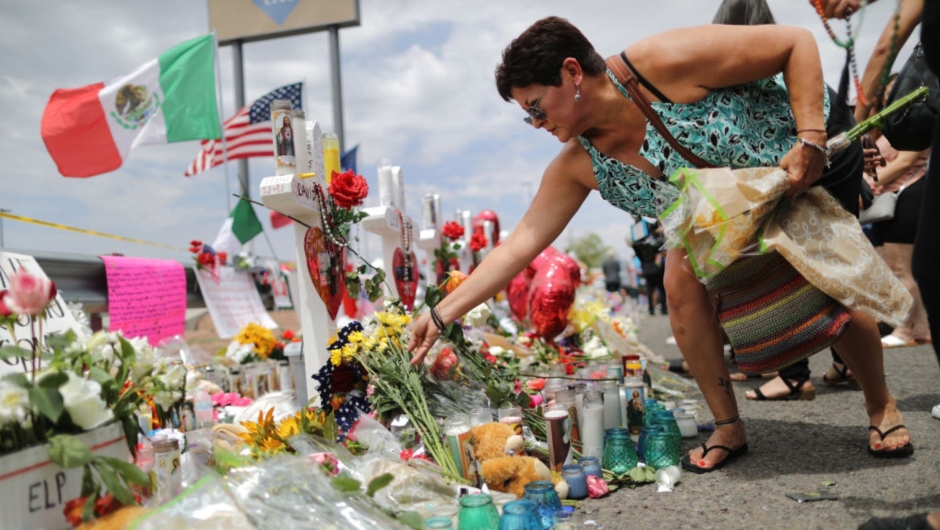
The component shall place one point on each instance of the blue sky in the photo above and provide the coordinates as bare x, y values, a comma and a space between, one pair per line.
417, 88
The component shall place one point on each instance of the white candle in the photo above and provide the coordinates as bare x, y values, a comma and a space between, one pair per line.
611, 405
592, 431
398, 187
386, 187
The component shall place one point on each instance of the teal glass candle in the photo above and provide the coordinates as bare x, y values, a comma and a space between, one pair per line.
520, 515
661, 450
542, 493
577, 481
477, 512
644, 437
619, 454
591, 465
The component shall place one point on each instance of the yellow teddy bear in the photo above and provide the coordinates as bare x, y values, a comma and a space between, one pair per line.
503, 466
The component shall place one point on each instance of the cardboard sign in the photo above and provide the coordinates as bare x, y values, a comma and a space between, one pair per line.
233, 301
146, 297
58, 318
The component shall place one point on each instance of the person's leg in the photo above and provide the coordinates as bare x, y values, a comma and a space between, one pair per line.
800, 386
650, 293
860, 348
663, 302
898, 257
698, 336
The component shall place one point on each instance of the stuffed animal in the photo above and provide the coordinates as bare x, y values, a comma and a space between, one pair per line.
503, 467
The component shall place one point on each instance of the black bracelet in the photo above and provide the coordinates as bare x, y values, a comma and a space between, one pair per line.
438, 321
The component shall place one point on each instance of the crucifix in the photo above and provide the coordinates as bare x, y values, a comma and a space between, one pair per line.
295, 196
429, 238
389, 222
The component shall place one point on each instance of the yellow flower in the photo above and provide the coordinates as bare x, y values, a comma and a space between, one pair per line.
355, 337
336, 357
271, 445
289, 427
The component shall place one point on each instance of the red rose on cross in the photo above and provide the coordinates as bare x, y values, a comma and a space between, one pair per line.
478, 242
452, 230
348, 189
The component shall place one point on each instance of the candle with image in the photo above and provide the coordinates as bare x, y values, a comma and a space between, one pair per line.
559, 437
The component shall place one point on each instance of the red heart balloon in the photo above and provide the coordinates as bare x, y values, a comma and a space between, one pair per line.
405, 269
326, 262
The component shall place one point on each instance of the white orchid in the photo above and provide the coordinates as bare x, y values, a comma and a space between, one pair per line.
82, 400
14, 403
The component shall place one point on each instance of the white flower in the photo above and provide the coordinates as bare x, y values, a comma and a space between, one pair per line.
171, 375
145, 361
167, 399
14, 403
478, 316
82, 399
497, 351
237, 351
595, 348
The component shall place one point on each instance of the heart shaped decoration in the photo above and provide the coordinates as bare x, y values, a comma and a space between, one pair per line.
326, 262
405, 270
452, 265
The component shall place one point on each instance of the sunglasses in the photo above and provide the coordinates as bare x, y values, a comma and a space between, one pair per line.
535, 113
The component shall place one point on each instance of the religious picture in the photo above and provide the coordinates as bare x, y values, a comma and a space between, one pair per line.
285, 138
635, 411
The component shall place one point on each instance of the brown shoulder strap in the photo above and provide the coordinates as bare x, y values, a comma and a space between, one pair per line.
627, 78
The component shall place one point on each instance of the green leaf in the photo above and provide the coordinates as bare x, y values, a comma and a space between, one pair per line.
378, 483
68, 451
60, 341
346, 484
18, 379
412, 520
54, 380
8, 352
88, 512
128, 471
96, 373
48, 401
88, 481
114, 485
128, 353
433, 296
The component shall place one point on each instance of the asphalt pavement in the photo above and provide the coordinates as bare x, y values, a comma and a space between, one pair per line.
817, 446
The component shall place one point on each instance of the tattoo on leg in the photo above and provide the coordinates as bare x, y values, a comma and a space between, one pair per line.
726, 384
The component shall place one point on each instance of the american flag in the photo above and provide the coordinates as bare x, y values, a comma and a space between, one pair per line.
247, 133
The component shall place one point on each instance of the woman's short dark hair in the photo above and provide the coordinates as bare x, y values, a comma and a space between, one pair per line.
537, 55
744, 13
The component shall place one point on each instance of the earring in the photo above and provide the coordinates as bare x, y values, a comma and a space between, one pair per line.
577, 93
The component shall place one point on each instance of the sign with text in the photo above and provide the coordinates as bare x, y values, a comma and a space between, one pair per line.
146, 297
249, 20
57, 319
233, 301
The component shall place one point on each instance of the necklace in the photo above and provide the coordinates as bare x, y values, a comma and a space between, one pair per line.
406, 241
848, 44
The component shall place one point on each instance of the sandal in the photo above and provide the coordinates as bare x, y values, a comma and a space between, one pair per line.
741, 376
900, 452
732, 454
891, 341
678, 367
842, 376
796, 392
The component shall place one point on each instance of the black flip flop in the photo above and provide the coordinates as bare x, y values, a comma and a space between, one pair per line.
900, 452
732, 454
796, 392
677, 368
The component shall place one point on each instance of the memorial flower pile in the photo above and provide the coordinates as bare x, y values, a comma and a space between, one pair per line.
267, 438
71, 385
206, 257
254, 343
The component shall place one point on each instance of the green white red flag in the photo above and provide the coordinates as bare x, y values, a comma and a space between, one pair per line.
172, 98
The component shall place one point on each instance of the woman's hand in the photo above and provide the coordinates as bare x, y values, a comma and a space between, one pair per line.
423, 335
804, 164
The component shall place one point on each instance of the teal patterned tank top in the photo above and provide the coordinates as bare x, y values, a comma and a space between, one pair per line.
749, 125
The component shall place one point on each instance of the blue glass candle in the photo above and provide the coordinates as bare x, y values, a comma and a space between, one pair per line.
542, 493
644, 436
577, 481
520, 515
477, 513
439, 523
591, 465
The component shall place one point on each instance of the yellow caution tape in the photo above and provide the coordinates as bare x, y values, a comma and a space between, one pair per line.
88, 232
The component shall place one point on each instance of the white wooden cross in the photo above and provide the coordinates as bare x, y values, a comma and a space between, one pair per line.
294, 196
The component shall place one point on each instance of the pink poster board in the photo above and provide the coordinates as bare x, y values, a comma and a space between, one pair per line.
146, 297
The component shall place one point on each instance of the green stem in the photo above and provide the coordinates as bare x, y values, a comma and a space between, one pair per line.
877, 121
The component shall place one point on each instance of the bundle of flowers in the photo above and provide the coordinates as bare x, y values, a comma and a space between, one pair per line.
342, 382
267, 438
70, 386
255, 343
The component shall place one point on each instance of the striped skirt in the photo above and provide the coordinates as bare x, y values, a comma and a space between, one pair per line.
772, 315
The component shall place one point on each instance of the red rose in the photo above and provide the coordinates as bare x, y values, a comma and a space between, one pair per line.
206, 259
195, 246
223, 257
452, 230
288, 334
73, 511
348, 189
4, 310
478, 242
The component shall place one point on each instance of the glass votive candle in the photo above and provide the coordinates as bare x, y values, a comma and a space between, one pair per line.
439, 523
686, 423
563, 516
477, 512
619, 454
577, 481
563, 526
591, 465
481, 416
662, 450
542, 493
520, 515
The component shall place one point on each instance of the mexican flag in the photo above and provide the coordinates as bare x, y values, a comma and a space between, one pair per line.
241, 226
90, 130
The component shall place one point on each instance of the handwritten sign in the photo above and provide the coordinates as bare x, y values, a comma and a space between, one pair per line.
58, 318
233, 301
146, 297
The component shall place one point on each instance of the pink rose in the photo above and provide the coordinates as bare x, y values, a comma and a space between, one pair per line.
242, 401
596, 487
4, 310
28, 294
328, 461
535, 400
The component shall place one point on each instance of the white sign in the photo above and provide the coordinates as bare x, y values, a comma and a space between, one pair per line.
233, 301
58, 317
